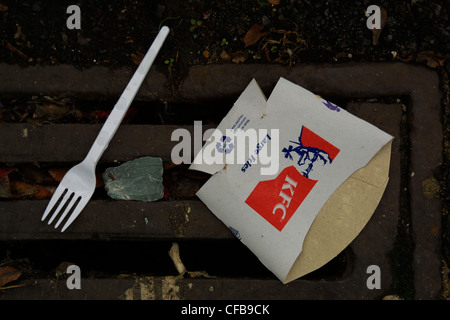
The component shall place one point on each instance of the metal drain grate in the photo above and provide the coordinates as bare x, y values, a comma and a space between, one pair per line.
123, 245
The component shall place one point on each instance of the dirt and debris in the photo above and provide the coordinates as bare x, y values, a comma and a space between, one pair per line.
34, 32
39, 181
40, 110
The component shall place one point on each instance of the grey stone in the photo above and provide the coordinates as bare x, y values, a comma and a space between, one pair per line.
140, 179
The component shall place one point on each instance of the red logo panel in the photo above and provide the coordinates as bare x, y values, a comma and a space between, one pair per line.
277, 200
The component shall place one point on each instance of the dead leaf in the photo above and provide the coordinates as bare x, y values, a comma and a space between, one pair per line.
254, 34
274, 2
206, 54
225, 56
37, 175
21, 189
137, 58
376, 32
432, 60
411, 58
239, 56
7, 275
3, 8
45, 192
57, 174
51, 111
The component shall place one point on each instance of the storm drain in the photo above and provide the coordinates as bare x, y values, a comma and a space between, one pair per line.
122, 247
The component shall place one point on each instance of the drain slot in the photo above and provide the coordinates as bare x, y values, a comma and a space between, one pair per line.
65, 110
106, 259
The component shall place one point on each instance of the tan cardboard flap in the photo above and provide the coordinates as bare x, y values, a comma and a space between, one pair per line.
344, 215
377, 170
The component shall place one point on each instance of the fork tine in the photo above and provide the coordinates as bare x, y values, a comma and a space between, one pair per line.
60, 206
80, 206
68, 208
56, 195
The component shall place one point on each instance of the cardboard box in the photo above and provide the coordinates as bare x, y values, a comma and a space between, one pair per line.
294, 177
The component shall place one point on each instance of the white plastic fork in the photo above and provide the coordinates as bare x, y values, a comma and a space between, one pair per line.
78, 184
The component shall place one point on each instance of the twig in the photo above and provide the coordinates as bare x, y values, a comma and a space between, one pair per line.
14, 286
16, 51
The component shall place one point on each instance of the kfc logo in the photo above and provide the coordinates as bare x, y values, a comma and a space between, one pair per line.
277, 200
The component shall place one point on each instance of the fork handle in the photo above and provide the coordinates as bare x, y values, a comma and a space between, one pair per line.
116, 116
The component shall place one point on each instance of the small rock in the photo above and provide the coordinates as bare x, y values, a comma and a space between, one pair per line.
140, 179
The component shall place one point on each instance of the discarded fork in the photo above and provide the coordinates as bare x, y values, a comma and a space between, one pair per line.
78, 184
